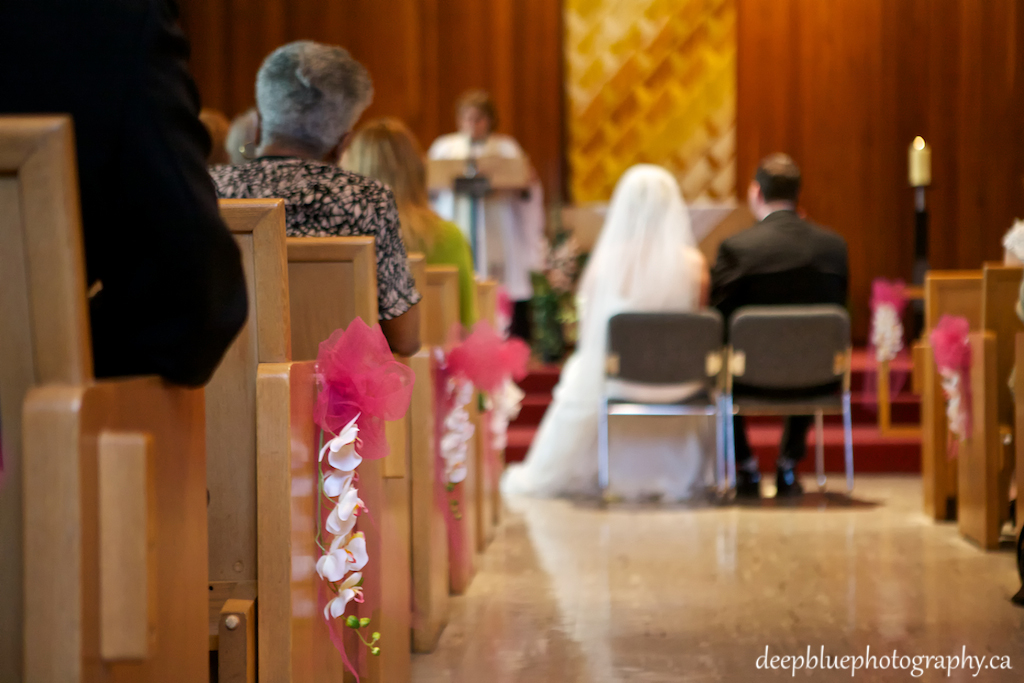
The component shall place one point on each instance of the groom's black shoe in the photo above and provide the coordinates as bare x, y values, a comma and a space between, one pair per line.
748, 483
787, 483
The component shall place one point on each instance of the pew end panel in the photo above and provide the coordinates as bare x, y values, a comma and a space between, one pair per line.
70, 502
952, 292
978, 464
45, 335
487, 305
462, 557
427, 512
331, 281
293, 642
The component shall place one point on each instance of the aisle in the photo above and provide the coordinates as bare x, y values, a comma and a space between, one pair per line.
573, 593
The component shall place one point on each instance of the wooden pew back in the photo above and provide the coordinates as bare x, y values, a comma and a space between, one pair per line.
320, 270
104, 481
441, 300
418, 269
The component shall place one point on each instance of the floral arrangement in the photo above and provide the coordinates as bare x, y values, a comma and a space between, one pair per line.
952, 353
888, 301
553, 304
454, 429
360, 386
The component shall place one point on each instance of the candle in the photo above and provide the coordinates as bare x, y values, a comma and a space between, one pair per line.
920, 162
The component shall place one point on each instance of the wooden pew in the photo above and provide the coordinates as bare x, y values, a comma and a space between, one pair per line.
263, 447
429, 559
441, 308
102, 498
952, 292
491, 462
331, 281
986, 462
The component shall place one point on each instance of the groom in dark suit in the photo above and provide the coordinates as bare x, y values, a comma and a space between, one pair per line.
781, 260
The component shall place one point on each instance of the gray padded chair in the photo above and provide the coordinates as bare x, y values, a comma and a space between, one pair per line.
790, 348
659, 349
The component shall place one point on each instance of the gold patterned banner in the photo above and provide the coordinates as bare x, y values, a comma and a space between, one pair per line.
652, 81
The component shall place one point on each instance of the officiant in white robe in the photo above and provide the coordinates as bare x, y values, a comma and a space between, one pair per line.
513, 221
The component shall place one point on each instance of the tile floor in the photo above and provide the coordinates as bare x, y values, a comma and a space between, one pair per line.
570, 592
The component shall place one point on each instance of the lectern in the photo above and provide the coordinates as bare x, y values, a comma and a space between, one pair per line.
475, 179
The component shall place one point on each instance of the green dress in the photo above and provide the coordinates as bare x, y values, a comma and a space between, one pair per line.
450, 248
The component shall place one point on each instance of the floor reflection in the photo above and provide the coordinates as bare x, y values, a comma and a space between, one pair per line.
578, 593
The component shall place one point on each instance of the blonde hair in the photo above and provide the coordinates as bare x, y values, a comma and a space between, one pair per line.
385, 149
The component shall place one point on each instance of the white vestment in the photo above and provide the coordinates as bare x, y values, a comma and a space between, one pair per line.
513, 223
645, 260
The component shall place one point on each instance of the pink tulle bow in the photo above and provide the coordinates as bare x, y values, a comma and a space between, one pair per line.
357, 374
950, 345
892, 292
487, 360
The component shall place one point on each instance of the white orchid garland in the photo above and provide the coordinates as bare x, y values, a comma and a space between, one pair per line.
344, 549
458, 430
504, 404
956, 415
886, 332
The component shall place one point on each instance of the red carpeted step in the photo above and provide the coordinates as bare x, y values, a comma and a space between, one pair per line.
532, 410
541, 379
872, 452
519, 440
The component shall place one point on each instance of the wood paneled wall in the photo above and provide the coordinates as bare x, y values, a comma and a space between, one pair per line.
422, 54
845, 85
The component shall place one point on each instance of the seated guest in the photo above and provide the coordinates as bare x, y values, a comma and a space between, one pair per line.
783, 259
645, 260
309, 96
241, 140
384, 149
173, 293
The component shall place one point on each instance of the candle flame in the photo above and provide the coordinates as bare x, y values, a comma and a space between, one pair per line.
919, 142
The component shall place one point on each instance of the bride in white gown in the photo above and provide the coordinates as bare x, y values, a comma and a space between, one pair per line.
645, 260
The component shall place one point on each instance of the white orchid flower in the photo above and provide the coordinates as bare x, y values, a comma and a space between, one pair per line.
348, 507
457, 473
356, 556
346, 554
348, 591
347, 437
338, 483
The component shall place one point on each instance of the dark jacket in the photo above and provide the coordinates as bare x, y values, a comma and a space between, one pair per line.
781, 260
174, 294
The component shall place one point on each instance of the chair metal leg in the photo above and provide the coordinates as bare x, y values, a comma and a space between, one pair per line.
602, 445
819, 448
720, 438
730, 442
848, 440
